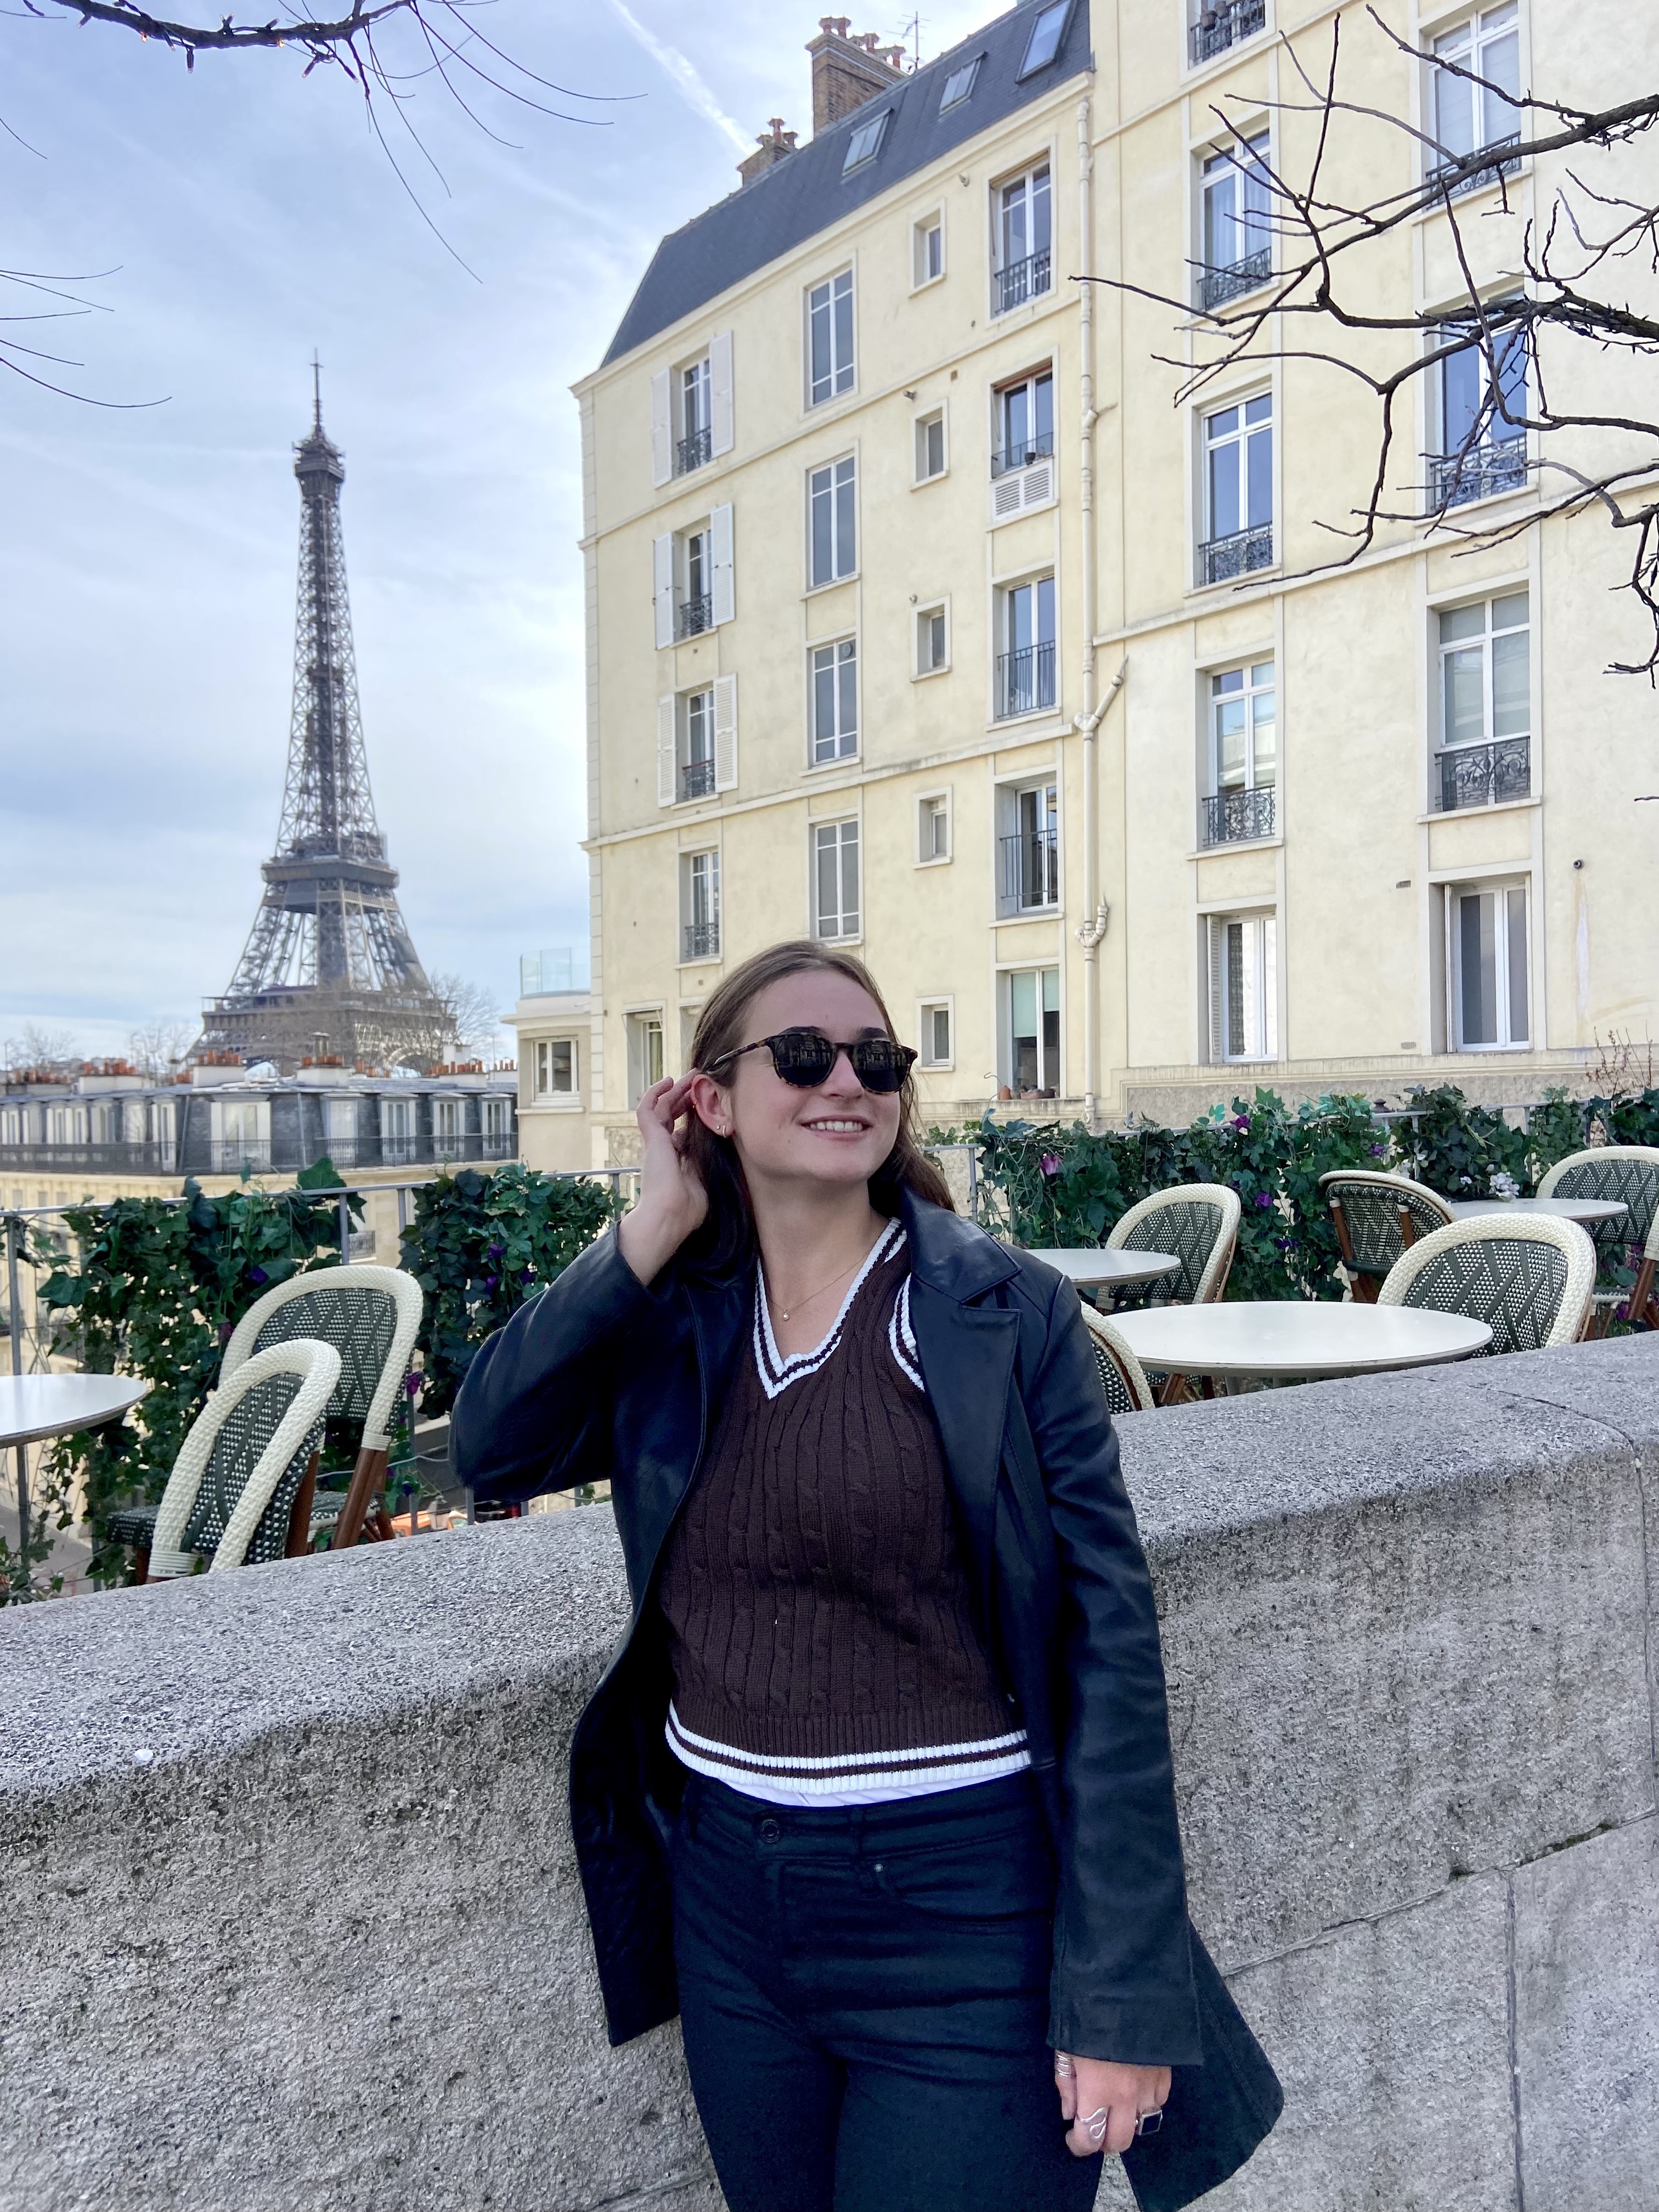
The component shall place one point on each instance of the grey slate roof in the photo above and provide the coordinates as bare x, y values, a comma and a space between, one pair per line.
807, 192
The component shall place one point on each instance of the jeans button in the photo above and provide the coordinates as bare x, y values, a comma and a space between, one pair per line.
771, 1832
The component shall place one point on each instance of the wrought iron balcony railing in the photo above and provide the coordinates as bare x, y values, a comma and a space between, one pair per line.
1217, 286
1223, 23
695, 615
1230, 816
691, 453
1499, 465
1008, 457
1031, 869
702, 941
1498, 160
1024, 680
1220, 558
696, 779
1022, 280
1482, 775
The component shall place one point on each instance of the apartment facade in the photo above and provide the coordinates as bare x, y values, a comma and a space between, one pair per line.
922, 619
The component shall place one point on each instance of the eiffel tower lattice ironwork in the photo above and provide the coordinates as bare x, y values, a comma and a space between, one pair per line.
328, 970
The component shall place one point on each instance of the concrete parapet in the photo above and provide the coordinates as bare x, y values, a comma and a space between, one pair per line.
294, 1921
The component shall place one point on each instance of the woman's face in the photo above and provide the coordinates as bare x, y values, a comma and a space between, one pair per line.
838, 1131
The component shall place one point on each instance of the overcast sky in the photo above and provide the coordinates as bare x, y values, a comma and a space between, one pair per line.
146, 596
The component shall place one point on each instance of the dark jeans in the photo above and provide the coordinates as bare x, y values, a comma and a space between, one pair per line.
864, 1992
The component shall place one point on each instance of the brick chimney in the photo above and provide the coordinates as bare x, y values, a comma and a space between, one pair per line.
848, 71
769, 148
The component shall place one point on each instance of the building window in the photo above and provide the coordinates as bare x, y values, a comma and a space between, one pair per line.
1044, 42
835, 880
1480, 393
933, 641
829, 338
448, 1127
1485, 703
959, 85
835, 701
1025, 423
933, 827
1489, 967
930, 446
1028, 876
832, 502
695, 442
1243, 755
927, 250
700, 906
1023, 239
697, 742
1477, 118
1025, 664
1238, 489
496, 1121
397, 1130
1243, 987
697, 745
1030, 1050
693, 578
935, 1026
644, 1055
1218, 24
697, 595
865, 142
556, 1067
1237, 239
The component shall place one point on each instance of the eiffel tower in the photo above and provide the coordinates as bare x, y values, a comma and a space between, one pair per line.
328, 970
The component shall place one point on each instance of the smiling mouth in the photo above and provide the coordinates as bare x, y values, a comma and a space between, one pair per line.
839, 1126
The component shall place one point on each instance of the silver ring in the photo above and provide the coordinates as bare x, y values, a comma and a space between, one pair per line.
1149, 2123
1065, 2066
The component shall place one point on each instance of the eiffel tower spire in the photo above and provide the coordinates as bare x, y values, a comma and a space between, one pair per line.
329, 967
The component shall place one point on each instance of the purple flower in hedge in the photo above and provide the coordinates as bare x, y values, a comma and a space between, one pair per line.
490, 1282
257, 1275
1051, 1163
1264, 1199
1376, 1152
412, 1384
497, 1250
1241, 1123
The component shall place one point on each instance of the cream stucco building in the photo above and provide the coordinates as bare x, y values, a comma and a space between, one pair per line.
920, 617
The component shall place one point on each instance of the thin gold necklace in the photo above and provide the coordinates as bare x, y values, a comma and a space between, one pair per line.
822, 1288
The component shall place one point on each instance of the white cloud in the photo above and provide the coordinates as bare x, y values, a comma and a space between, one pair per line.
693, 87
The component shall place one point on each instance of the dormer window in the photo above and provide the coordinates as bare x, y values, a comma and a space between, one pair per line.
1046, 35
959, 85
865, 142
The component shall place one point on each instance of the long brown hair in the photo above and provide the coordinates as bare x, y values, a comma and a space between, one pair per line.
728, 1239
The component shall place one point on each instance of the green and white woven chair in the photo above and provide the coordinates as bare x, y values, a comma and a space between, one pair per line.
1198, 1223
232, 1496
1529, 1279
1630, 1172
1121, 1375
1377, 1217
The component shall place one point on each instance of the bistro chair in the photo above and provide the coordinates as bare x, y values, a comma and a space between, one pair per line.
1530, 1279
1630, 1172
234, 1493
1196, 1221
1121, 1375
1377, 1217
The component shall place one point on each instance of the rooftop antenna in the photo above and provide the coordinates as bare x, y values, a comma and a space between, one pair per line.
317, 391
912, 31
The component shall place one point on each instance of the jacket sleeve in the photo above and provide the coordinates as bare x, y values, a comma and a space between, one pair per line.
534, 1412
1123, 1985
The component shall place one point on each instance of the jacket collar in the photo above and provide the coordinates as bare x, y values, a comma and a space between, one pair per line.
953, 1254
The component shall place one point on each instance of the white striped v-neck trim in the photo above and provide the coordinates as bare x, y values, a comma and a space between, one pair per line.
777, 1372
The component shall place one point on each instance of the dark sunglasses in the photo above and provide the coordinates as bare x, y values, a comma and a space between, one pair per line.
806, 1059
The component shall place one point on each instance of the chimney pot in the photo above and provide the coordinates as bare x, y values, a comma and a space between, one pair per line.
848, 71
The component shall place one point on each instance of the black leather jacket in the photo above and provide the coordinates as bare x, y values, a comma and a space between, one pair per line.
599, 1378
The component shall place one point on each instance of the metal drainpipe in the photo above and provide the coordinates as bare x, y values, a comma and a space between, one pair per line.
1087, 721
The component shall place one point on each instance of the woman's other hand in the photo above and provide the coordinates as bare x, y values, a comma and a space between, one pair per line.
673, 1201
1103, 2102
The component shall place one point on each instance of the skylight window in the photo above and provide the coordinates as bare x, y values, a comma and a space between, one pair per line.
959, 84
866, 140
1044, 42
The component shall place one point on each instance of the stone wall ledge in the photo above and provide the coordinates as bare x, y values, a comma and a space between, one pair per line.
294, 1921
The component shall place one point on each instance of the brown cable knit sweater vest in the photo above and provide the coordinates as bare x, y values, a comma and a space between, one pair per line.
821, 1630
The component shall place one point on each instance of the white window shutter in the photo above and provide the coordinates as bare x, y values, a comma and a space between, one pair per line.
662, 586
1218, 933
1270, 986
723, 584
726, 733
666, 750
662, 430
720, 419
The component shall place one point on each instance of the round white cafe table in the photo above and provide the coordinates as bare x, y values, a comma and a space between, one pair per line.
34, 1406
1588, 1212
1092, 1268
1266, 1339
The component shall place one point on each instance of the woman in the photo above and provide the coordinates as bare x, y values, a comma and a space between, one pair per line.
878, 1791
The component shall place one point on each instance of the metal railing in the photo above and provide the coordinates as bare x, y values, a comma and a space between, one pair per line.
1217, 286
702, 941
1237, 554
695, 615
1031, 869
91, 1159
1499, 465
696, 779
1493, 161
1219, 26
1019, 280
1230, 816
1024, 680
1008, 457
691, 453
1483, 775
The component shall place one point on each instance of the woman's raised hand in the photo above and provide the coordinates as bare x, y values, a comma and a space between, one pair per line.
673, 1201
1104, 2103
